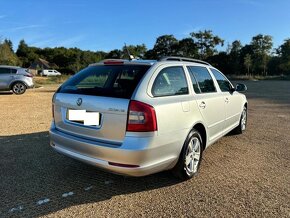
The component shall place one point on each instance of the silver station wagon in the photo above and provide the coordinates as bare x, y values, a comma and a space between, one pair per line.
138, 117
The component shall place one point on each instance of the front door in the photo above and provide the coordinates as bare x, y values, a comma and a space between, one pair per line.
210, 102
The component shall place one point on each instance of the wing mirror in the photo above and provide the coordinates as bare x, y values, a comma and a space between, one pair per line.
241, 87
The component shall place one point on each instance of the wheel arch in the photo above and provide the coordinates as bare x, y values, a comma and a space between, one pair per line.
16, 81
202, 131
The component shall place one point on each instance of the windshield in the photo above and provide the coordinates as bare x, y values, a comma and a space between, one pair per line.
117, 81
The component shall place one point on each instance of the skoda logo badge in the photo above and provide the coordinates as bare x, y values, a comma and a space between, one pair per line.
79, 101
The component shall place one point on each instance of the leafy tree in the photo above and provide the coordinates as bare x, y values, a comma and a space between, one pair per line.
9, 43
284, 54
206, 43
26, 54
221, 61
261, 45
248, 62
165, 45
235, 57
116, 54
7, 55
187, 48
137, 51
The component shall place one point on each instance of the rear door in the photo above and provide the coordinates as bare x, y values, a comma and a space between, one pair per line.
210, 102
171, 100
103, 90
5, 78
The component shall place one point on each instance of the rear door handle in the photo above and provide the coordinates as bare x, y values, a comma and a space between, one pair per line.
227, 100
202, 105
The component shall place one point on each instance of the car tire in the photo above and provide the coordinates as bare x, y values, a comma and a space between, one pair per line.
243, 122
18, 88
190, 157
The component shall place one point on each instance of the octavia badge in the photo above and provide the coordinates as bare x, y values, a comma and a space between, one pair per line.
79, 101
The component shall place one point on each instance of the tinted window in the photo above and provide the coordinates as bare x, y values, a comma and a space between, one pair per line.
224, 84
117, 81
170, 81
14, 71
201, 79
4, 70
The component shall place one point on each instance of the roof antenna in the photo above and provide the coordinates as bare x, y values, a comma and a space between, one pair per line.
131, 57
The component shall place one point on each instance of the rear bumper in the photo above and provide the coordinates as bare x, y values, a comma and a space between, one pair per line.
29, 83
147, 154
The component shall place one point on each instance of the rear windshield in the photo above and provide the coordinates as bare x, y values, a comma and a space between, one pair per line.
117, 81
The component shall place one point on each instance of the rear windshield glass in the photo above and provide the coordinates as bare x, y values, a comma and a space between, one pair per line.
117, 81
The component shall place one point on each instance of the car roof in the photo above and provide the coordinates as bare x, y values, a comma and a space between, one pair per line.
12, 67
169, 59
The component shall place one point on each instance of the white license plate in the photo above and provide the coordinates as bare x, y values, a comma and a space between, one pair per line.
85, 117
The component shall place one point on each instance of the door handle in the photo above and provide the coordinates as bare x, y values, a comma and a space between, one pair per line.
202, 105
227, 100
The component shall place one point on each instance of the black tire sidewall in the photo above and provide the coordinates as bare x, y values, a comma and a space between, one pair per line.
179, 169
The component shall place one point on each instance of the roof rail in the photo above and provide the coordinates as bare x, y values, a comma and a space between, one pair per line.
125, 61
175, 58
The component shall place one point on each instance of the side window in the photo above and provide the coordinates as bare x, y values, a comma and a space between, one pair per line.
4, 71
201, 79
224, 84
170, 81
13, 71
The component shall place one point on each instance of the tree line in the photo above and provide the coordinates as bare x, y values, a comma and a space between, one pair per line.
255, 58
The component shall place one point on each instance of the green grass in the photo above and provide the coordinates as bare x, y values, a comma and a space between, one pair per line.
50, 80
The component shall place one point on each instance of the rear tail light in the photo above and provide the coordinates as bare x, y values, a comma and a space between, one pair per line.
28, 75
112, 62
141, 117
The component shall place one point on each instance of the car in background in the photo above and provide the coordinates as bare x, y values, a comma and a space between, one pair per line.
49, 73
15, 78
138, 117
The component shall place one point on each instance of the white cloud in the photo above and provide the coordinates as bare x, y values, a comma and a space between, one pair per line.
71, 42
20, 28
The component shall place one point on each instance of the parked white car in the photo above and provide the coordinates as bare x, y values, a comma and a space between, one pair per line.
49, 73
141, 117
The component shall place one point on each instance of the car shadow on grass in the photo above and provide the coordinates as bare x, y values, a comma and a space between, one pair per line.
35, 180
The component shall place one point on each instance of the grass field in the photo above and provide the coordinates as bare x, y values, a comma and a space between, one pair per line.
40, 81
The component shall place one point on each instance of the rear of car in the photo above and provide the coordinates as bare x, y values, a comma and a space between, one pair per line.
122, 137
16, 79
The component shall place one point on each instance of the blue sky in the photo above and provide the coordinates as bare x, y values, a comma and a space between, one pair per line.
106, 25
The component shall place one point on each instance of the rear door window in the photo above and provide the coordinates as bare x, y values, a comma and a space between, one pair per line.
117, 81
170, 81
201, 79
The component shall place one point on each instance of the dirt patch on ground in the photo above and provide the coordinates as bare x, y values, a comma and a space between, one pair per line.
246, 175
